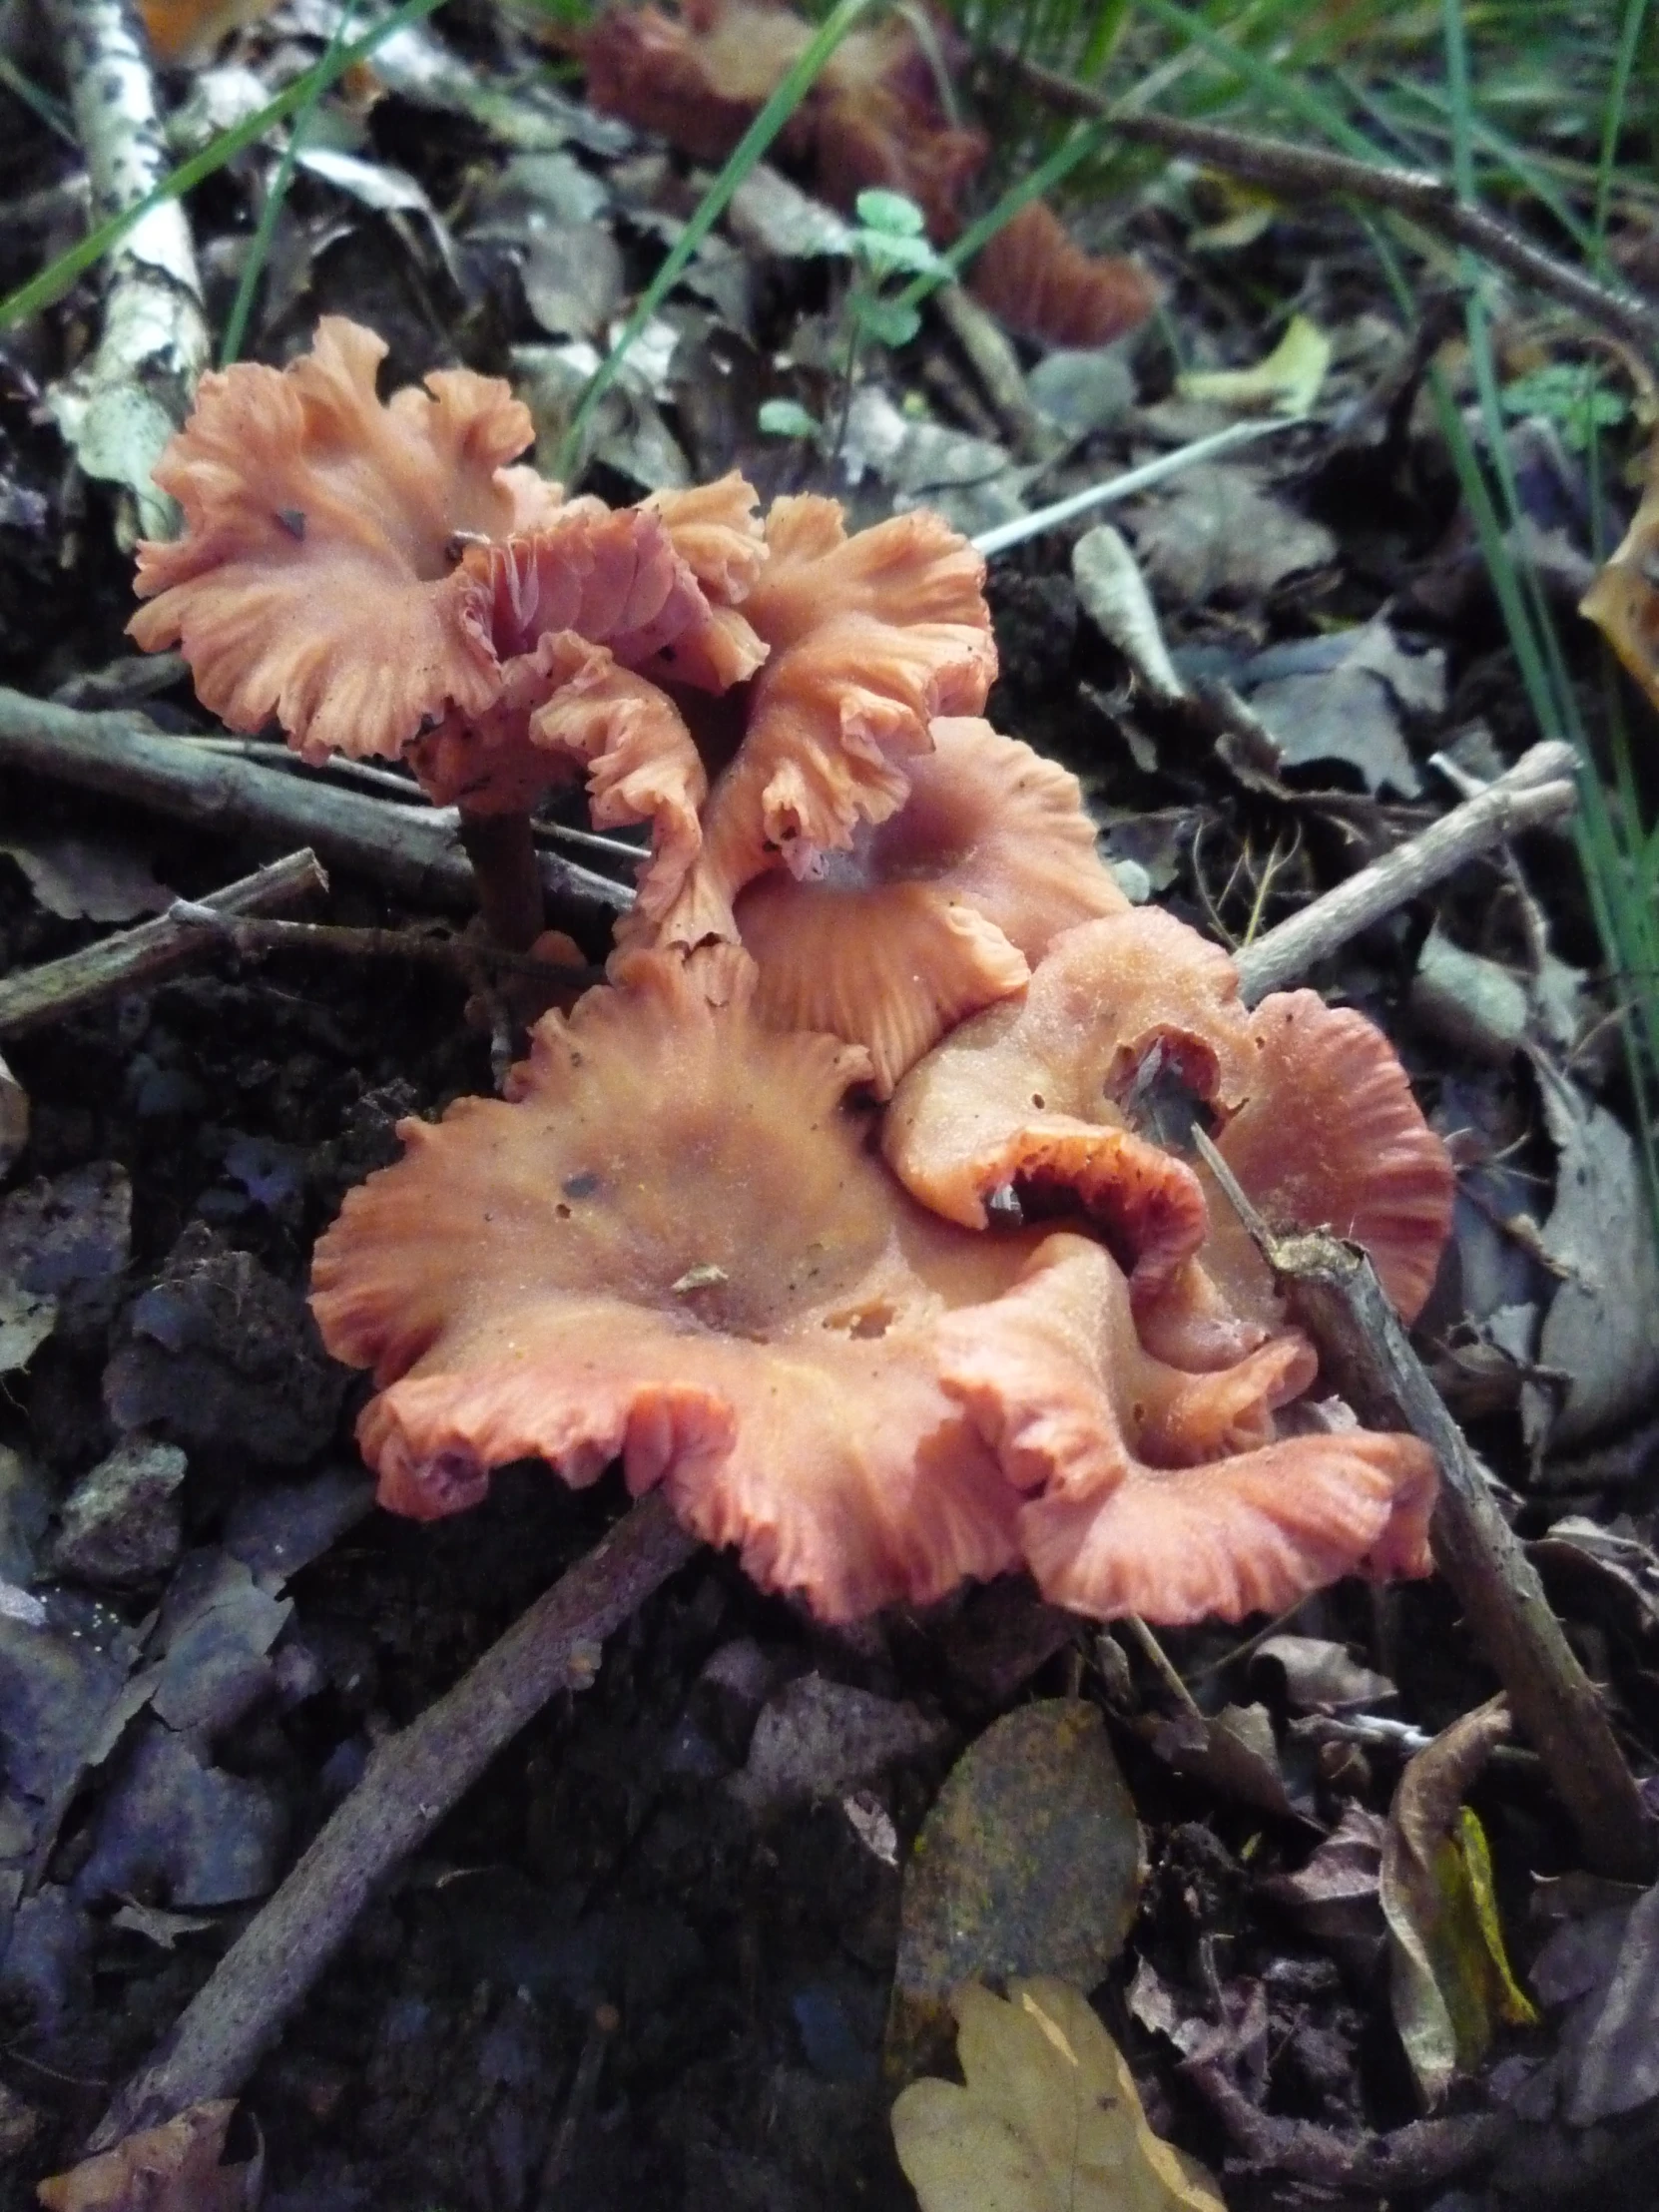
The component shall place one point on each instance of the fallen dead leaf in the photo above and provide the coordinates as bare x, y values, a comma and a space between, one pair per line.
174, 2168
1335, 1897
1050, 2119
1217, 531
1344, 697
81, 879
1600, 1329
1029, 1862
1287, 380
1449, 1973
1320, 1676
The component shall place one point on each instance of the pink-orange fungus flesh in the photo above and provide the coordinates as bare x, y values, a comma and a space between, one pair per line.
369, 574
868, 638
936, 912
1162, 1493
1316, 1121
674, 1247
315, 580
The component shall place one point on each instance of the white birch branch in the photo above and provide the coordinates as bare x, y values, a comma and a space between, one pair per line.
121, 404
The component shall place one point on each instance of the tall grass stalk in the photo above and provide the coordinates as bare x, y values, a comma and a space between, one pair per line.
264, 231
748, 150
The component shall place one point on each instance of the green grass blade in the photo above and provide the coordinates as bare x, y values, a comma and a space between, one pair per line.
708, 213
259, 249
1612, 122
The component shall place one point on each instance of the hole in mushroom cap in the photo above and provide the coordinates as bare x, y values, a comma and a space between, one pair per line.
1163, 1090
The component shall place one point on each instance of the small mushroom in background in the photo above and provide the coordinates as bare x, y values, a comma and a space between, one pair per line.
873, 117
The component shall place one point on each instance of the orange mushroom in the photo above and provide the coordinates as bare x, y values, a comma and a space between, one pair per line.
869, 639
376, 579
674, 1247
936, 912
874, 117
1165, 1494
1038, 1096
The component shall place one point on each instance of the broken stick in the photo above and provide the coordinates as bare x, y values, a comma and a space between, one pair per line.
1539, 788
1365, 1355
410, 850
135, 957
413, 1781
1303, 172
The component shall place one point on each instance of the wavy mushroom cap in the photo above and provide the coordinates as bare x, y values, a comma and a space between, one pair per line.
935, 912
1034, 1095
1330, 1137
673, 1246
1319, 1125
370, 574
869, 639
316, 577
697, 79
1160, 1493
1037, 279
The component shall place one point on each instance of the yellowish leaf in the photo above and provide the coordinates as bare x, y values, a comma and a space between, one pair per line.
1507, 1996
1449, 1974
1049, 2120
1622, 601
1287, 382
173, 2168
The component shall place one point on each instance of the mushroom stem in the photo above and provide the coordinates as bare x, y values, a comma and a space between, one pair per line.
503, 857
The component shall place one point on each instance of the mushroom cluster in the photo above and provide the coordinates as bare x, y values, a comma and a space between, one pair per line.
838, 1210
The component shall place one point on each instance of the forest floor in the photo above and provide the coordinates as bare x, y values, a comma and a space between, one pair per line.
641, 1965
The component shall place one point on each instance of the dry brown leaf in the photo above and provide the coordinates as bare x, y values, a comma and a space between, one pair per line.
1050, 2119
174, 2168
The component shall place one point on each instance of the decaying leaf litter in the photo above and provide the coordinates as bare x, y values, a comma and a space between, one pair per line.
677, 1942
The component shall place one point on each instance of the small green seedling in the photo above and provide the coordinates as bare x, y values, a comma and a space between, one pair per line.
1569, 395
787, 418
889, 241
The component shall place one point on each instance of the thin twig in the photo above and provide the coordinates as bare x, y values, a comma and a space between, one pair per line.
135, 957
1365, 1355
414, 853
464, 957
990, 351
413, 1781
1535, 791
1300, 172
